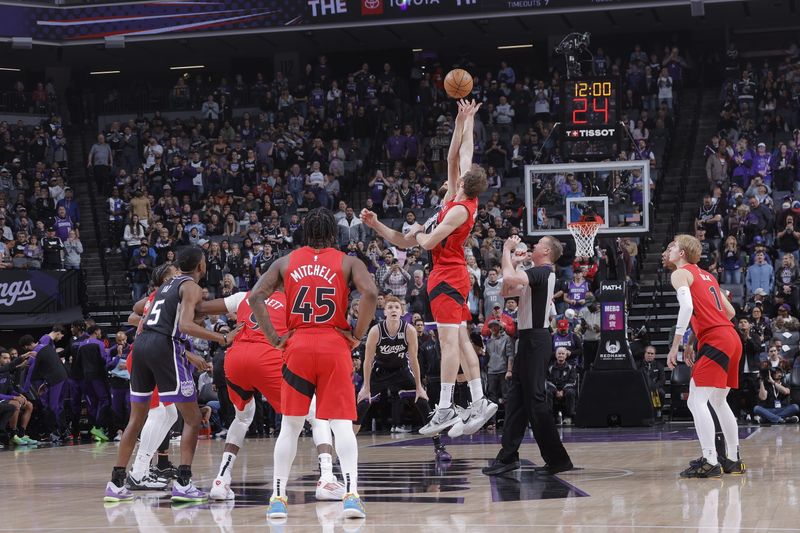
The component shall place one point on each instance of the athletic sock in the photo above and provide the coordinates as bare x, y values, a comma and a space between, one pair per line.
326, 465
184, 475
279, 486
446, 395
163, 461
226, 466
475, 389
711, 455
118, 476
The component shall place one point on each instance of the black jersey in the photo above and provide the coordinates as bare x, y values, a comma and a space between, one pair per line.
391, 353
163, 315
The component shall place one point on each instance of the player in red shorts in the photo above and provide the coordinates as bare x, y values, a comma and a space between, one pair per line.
317, 348
253, 364
719, 349
448, 284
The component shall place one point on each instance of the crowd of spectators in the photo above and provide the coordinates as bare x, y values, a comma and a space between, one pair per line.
239, 186
39, 215
747, 221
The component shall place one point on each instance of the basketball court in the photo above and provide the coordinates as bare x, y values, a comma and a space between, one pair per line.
626, 480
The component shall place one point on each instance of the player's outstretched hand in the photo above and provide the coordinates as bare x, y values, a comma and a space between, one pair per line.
511, 243
348, 336
472, 108
369, 218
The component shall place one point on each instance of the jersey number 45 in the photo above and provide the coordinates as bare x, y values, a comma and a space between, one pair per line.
323, 301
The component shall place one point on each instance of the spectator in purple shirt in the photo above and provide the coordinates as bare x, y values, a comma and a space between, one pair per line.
62, 223
71, 205
396, 145
411, 146
761, 164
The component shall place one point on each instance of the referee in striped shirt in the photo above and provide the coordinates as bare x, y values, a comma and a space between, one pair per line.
526, 401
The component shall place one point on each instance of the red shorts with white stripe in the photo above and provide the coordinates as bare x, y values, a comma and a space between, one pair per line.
717, 361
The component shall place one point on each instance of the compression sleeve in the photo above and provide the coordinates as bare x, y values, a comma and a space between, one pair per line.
685, 310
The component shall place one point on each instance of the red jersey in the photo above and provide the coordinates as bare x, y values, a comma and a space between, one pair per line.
147, 305
251, 332
450, 252
316, 289
709, 312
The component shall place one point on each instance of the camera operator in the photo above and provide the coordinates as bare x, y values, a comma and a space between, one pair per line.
744, 398
774, 405
653, 370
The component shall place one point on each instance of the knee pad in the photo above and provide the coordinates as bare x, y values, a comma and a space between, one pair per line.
170, 415
241, 423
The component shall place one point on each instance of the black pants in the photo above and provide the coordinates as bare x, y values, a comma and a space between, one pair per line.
527, 401
566, 404
102, 174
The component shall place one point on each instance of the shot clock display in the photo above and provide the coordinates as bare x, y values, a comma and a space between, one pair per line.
591, 117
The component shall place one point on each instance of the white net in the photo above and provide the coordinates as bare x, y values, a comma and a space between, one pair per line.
584, 233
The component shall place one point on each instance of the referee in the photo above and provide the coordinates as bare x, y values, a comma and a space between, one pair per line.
526, 401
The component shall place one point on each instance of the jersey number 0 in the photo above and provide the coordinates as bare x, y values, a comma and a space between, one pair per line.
322, 300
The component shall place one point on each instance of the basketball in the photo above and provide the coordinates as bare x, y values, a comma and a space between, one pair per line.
458, 83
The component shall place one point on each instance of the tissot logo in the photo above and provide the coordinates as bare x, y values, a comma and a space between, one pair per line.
16, 291
372, 7
602, 132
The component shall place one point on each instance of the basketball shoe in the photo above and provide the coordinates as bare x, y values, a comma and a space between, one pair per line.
329, 489
117, 494
278, 508
480, 412
148, 482
221, 490
701, 468
729, 466
353, 507
188, 493
441, 419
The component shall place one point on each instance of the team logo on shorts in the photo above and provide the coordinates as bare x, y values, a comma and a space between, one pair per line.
187, 388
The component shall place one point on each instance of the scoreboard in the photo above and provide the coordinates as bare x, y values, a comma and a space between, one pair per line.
591, 118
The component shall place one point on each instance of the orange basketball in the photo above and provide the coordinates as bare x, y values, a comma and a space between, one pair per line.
458, 83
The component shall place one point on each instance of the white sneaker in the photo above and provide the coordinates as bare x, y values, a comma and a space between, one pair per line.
222, 434
480, 413
221, 490
402, 429
458, 428
442, 418
329, 490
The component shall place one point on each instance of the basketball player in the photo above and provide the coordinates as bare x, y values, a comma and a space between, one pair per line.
448, 284
716, 370
161, 361
526, 401
253, 364
161, 417
318, 349
391, 366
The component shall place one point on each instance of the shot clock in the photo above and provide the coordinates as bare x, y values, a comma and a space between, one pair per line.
591, 118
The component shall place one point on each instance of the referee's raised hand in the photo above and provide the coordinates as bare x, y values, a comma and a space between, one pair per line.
511, 243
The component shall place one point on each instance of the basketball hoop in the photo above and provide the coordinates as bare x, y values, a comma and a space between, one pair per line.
584, 233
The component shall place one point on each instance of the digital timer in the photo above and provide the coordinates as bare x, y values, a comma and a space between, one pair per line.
590, 118
590, 102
